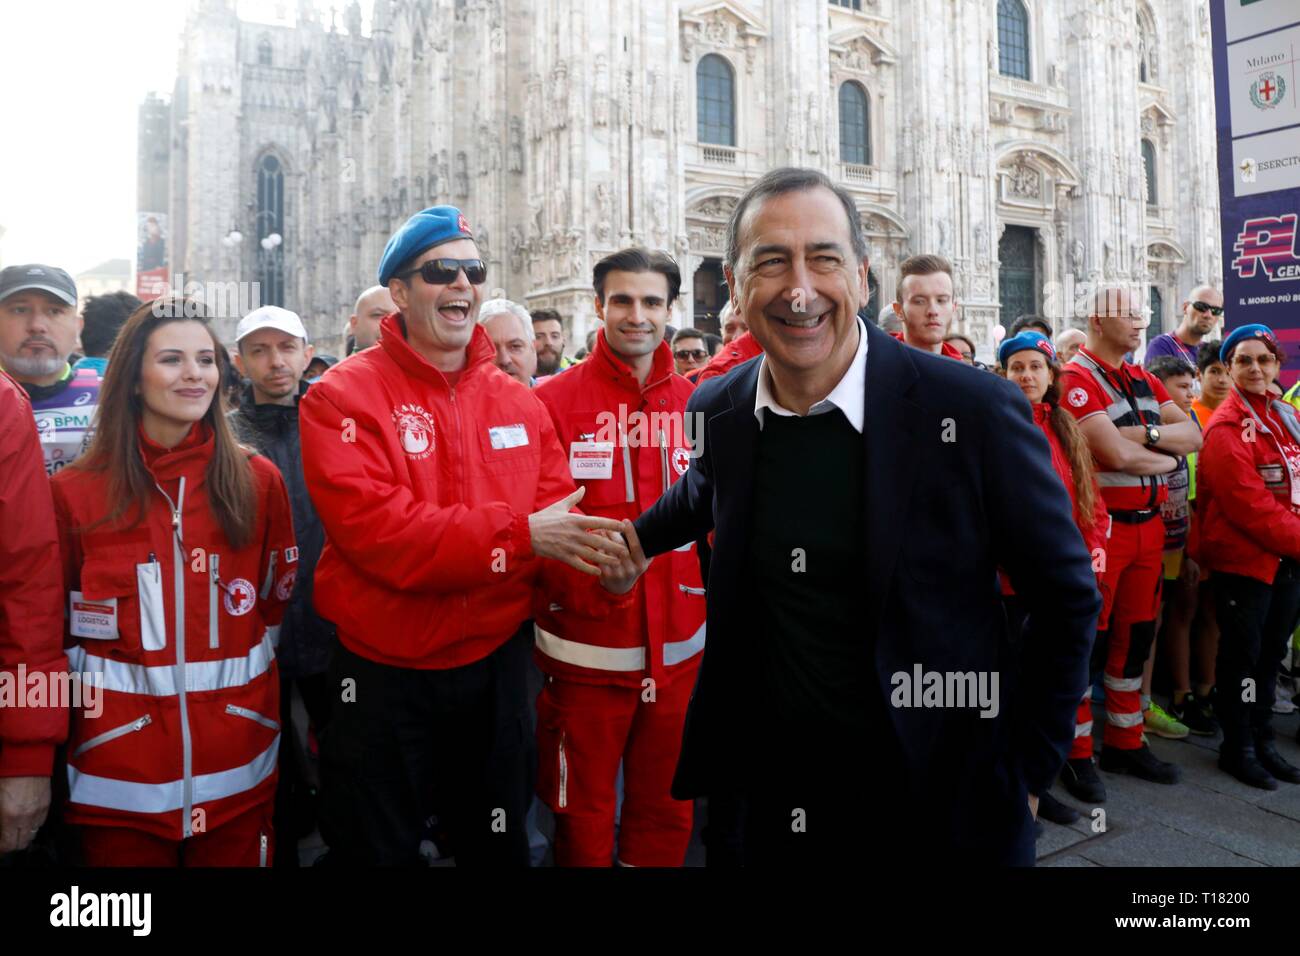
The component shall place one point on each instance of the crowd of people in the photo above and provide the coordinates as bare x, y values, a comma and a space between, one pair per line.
413, 539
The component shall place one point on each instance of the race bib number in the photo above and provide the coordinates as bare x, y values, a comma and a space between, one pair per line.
591, 459
96, 620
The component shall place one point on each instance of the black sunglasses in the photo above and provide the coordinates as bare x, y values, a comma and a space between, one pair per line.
685, 354
444, 271
1215, 310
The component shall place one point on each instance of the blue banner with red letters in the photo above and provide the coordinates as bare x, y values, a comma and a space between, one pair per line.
1256, 49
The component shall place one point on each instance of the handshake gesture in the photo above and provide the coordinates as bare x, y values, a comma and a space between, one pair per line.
599, 546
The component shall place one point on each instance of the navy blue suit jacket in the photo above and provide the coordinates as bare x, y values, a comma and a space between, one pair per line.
959, 483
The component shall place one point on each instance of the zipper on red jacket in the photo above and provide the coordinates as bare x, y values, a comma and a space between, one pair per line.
187, 745
461, 492
663, 458
213, 580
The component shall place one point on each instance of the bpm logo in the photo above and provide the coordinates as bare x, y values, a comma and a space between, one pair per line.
1268, 243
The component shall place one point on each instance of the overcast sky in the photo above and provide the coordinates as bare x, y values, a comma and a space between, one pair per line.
72, 76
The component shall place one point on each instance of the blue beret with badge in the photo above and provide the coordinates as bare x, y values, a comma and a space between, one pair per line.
426, 229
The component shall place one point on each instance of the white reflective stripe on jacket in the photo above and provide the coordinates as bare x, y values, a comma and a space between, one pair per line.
114, 794
615, 658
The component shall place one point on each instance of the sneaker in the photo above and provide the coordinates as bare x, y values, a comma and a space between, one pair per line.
1282, 703
1080, 778
1162, 724
1141, 763
1197, 714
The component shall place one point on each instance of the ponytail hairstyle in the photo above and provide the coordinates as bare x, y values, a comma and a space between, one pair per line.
115, 448
1075, 446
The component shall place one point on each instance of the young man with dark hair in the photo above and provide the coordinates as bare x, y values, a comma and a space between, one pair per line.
690, 350
617, 689
926, 305
1214, 381
548, 340
102, 316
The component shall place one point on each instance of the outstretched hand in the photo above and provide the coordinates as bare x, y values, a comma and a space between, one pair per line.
576, 539
621, 577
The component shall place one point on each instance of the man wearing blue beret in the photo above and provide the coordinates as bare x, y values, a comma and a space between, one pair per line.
445, 497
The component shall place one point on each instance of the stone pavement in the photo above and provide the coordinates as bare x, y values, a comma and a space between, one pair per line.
1209, 819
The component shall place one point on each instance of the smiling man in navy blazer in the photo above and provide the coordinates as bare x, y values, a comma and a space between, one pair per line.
860, 688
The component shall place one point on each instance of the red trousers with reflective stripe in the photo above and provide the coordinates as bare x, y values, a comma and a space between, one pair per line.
1130, 592
583, 732
236, 842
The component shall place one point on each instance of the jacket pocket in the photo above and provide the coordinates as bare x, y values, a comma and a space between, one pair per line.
138, 724
106, 610
153, 620
509, 448
237, 711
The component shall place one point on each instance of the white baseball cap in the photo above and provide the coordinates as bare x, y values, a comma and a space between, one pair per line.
271, 317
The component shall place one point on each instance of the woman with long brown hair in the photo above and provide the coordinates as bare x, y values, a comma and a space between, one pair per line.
1030, 362
178, 558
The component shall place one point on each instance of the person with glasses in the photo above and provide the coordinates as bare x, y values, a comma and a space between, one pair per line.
1137, 434
689, 351
1201, 313
441, 486
1249, 507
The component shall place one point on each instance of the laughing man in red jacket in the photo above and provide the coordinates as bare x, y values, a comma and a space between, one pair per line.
440, 484
617, 688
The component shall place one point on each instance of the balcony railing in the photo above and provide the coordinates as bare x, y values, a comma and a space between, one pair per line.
719, 155
857, 173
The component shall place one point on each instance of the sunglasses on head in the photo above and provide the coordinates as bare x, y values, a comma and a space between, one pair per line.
444, 271
1215, 310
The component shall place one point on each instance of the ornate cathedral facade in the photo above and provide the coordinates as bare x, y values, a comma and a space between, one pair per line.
1035, 143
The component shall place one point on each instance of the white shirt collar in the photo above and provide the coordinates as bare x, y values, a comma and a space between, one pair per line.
849, 395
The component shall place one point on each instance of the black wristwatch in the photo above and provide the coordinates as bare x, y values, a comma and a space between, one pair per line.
1153, 436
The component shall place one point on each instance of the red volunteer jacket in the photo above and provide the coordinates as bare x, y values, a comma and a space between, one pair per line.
31, 593
1247, 490
1094, 535
626, 444
425, 489
178, 628
736, 352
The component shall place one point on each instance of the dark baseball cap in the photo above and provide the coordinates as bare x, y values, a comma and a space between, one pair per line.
41, 278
